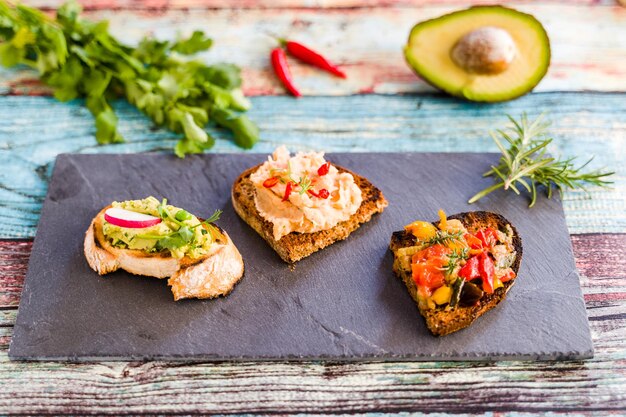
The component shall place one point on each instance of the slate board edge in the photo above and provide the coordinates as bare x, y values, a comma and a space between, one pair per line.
549, 356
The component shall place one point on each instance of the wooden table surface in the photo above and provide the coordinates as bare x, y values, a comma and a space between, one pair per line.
584, 93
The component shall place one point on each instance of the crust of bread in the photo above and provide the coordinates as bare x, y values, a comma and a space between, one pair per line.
295, 246
210, 276
440, 322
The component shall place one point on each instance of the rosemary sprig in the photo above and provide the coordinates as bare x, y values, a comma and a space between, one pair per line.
525, 163
453, 260
443, 237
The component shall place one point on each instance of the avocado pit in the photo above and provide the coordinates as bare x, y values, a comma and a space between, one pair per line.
488, 50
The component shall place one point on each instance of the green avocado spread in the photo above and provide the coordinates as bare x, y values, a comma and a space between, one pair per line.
180, 232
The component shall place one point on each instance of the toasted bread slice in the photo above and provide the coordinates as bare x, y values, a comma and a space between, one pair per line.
295, 246
210, 276
441, 322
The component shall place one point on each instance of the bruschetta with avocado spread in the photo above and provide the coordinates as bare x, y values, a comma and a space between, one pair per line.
149, 237
458, 268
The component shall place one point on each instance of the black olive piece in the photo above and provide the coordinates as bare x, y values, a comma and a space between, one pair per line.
470, 294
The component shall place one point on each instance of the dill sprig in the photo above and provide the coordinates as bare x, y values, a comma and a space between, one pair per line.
526, 163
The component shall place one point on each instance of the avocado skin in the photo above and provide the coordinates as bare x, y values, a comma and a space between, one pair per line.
461, 93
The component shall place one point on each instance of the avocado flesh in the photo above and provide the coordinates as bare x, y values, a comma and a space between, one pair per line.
430, 43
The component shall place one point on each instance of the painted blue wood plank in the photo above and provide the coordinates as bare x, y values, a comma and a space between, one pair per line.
33, 130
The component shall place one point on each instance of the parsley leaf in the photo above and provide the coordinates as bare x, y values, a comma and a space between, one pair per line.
196, 43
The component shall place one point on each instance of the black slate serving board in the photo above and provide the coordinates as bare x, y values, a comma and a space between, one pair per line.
342, 303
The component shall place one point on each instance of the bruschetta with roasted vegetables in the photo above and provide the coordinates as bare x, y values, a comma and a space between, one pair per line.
458, 268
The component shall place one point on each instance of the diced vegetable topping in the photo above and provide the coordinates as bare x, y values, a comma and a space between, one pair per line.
453, 267
421, 230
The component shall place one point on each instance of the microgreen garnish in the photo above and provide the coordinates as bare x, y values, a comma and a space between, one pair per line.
525, 163
184, 235
304, 184
165, 214
214, 217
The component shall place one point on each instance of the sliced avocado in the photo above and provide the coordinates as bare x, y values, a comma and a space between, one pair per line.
484, 53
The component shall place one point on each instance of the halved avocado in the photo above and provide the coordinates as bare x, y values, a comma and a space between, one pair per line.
484, 53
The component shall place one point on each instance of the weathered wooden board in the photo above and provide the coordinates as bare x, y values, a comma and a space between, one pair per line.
342, 303
134, 387
588, 44
157, 5
126, 387
593, 387
33, 130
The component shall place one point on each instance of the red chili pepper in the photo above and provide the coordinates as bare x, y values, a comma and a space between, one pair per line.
487, 236
270, 182
323, 193
469, 271
309, 56
281, 68
323, 169
288, 190
487, 271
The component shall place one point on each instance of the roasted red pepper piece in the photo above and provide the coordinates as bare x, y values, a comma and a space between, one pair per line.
427, 268
488, 237
323, 169
270, 182
473, 241
508, 276
288, 190
487, 271
469, 271
309, 56
281, 68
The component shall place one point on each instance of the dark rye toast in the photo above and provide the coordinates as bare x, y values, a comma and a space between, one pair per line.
295, 246
439, 321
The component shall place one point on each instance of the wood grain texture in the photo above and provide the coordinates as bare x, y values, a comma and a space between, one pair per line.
277, 4
366, 41
506, 387
33, 130
14, 255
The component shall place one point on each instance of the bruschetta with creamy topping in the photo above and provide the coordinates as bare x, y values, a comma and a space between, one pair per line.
303, 203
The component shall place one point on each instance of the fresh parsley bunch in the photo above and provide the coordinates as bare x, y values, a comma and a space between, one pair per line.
79, 58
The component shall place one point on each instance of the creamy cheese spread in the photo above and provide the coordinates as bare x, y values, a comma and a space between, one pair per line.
303, 211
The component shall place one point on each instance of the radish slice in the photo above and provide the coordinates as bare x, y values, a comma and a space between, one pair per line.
131, 219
